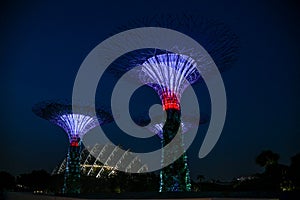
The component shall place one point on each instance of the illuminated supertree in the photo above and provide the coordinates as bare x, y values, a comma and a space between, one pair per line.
76, 125
169, 74
188, 122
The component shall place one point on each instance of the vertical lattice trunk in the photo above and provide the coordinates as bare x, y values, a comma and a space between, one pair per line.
72, 173
175, 177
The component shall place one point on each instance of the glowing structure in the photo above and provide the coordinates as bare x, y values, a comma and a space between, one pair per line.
173, 72
90, 165
169, 74
76, 125
188, 122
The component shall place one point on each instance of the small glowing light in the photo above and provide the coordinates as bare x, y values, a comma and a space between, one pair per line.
170, 101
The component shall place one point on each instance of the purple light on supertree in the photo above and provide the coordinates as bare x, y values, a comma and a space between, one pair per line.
171, 74
187, 123
76, 125
158, 128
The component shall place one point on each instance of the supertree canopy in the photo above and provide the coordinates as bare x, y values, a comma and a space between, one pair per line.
170, 73
221, 43
188, 122
76, 125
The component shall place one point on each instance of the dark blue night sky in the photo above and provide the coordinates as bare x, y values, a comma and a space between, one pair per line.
43, 44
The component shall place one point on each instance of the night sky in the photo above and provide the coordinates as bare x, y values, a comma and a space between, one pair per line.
43, 44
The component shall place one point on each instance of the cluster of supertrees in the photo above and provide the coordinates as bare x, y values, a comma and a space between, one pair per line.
172, 73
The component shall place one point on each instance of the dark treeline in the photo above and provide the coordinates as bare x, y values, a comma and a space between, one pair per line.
40, 181
275, 178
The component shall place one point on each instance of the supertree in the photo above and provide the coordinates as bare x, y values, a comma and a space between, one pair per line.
187, 123
169, 74
173, 73
76, 125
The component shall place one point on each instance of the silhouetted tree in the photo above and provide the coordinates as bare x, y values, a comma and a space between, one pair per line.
267, 158
200, 178
198, 186
295, 170
7, 181
56, 183
275, 175
36, 180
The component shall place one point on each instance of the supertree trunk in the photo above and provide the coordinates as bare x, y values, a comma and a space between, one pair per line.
72, 173
174, 177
